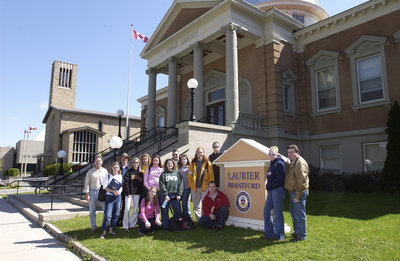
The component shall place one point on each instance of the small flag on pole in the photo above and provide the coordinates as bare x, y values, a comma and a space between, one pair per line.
140, 36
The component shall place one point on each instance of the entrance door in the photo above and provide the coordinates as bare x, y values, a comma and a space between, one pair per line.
216, 113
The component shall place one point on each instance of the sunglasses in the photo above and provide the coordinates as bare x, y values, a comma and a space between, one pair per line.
272, 154
135, 162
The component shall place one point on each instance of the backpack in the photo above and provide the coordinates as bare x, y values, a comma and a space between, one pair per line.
187, 222
175, 225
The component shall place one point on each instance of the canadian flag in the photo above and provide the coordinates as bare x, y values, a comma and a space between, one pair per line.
32, 128
140, 36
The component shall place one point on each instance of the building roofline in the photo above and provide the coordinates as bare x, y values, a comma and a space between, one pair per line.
87, 112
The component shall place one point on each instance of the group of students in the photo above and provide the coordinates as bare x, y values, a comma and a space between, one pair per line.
154, 188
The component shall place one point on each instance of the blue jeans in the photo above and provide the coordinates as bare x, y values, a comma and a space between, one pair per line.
219, 221
176, 207
298, 213
93, 193
185, 202
112, 207
273, 214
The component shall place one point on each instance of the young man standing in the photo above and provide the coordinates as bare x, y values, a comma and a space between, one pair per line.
296, 183
213, 156
175, 156
93, 180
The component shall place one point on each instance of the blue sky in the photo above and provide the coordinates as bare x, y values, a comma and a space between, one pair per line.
95, 35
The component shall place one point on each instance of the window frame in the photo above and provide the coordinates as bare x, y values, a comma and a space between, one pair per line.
322, 160
367, 46
289, 79
364, 158
320, 61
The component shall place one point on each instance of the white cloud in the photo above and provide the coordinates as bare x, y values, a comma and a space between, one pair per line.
12, 117
43, 105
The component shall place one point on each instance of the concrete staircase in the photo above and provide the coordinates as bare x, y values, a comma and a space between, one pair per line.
39, 208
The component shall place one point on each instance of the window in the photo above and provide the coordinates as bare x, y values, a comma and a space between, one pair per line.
84, 146
374, 156
64, 79
100, 125
288, 80
299, 17
325, 89
216, 95
370, 78
368, 71
160, 115
330, 159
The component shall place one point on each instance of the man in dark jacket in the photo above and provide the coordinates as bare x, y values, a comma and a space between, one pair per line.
276, 194
215, 206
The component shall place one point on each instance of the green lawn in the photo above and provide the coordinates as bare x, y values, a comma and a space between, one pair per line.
341, 226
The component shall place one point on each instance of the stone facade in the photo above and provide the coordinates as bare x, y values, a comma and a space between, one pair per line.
64, 121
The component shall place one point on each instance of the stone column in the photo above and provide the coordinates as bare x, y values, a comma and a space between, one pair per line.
151, 99
232, 75
198, 74
172, 83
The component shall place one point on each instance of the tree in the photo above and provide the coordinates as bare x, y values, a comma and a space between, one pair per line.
390, 177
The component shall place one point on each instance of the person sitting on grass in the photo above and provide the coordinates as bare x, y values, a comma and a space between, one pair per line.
112, 204
215, 206
147, 221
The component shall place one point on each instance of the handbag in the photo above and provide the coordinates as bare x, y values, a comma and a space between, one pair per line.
101, 196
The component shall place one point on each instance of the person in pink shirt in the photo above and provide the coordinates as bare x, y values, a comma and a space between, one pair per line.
152, 175
147, 221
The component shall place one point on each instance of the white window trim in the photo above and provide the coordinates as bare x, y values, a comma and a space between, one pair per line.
368, 45
322, 60
321, 159
363, 152
160, 112
289, 78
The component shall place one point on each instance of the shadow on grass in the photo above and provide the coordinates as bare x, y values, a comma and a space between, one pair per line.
205, 241
362, 206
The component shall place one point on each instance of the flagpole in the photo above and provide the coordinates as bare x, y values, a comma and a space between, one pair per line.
129, 85
22, 149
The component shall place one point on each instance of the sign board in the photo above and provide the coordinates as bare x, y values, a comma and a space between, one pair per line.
245, 165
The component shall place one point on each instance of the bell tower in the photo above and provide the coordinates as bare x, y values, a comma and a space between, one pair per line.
63, 85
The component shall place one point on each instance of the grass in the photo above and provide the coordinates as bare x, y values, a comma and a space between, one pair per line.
341, 226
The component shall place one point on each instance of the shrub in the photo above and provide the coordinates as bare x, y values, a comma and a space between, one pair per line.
355, 182
52, 168
13, 172
390, 178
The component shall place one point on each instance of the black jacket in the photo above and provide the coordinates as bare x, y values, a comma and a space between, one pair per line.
133, 183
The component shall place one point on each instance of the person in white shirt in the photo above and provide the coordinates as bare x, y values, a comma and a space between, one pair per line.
93, 181
112, 204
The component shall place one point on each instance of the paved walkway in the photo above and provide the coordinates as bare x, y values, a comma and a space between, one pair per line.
23, 240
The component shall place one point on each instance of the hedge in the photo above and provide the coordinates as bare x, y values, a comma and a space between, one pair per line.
51, 169
13, 172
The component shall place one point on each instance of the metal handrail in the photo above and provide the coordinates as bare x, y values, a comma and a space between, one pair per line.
156, 133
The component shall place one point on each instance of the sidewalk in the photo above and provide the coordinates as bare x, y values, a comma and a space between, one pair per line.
23, 240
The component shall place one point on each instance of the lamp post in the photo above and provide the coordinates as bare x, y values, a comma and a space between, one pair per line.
119, 113
115, 143
192, 84
61, 154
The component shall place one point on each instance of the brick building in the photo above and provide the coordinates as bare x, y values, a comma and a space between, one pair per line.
279, 72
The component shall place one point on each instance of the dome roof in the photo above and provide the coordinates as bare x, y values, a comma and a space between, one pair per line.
255, 2
305, 11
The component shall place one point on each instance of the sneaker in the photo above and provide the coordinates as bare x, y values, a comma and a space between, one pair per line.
219, 229
141, 234
102, 236
93, 231
293, 234
112, 233
126, 230
268, 238
296, 238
